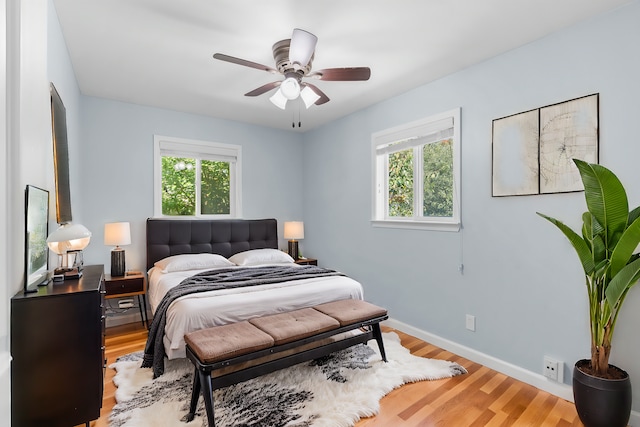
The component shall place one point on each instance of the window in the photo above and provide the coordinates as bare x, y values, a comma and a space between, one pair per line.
196, 178
416, 180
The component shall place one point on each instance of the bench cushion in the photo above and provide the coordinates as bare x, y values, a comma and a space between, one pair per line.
295, 325
227, 341
350, 311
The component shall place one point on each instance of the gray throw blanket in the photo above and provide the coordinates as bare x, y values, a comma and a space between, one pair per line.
214, 280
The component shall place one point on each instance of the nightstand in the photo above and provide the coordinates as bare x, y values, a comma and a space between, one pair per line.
307, 261
127, 286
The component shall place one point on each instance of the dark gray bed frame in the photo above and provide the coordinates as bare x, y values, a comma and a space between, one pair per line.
166, 237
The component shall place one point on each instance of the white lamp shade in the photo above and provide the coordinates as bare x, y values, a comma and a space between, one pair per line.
279, 100
290, 88
309, 96
69, 237
294, 230
117, 234
302, 46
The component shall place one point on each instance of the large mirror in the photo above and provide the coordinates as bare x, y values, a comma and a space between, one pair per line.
60, 157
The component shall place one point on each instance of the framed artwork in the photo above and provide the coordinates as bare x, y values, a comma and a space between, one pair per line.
533, 150
515, 155
36, 251
568, 130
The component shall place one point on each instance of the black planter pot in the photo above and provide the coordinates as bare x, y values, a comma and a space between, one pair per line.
601, 402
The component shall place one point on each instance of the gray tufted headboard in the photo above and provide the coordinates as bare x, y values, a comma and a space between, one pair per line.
166, 237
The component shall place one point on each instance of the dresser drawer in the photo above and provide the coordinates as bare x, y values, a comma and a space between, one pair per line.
124, 286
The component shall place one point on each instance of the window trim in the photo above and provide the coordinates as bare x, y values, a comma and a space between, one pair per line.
418, 128
204, 150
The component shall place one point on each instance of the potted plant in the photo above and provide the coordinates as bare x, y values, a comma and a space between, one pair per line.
610, 235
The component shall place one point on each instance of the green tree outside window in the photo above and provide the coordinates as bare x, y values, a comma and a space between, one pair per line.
438, 179
179, 186
216, 182
401, 183
437, 176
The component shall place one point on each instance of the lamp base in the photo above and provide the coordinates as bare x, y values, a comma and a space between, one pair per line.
75, 260
293, 249
60, 274
117, 262
73, 273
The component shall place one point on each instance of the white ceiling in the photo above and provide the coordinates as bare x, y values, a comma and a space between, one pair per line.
159, 52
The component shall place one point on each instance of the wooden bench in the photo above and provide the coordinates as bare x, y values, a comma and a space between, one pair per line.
230, 354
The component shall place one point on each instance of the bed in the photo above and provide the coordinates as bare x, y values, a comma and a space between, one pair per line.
250, 243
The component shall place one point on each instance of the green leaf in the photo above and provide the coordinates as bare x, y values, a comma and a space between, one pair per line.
592, 234
581, 247
633, 215
625, 279
625, 247
606, 199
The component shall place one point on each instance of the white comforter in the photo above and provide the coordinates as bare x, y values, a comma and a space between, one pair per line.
206, 309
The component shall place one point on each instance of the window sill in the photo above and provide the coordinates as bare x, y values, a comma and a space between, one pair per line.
417, 225
191, 217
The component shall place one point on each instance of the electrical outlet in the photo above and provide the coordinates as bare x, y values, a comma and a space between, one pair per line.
471, 322
553, 369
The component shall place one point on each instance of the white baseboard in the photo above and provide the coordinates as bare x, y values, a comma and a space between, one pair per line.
564, 391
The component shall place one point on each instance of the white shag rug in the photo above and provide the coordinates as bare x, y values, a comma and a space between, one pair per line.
335, 391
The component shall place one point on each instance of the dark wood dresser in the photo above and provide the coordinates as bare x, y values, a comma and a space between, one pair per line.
57, 349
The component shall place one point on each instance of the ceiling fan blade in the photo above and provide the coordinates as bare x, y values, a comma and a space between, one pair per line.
264, 88
323, 97
342, 74
302, 46
234, 60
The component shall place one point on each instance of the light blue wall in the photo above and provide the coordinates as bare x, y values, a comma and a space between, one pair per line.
521, 279
117, 168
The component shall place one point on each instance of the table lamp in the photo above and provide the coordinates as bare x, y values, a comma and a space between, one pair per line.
293, 231
66, 240
117, 234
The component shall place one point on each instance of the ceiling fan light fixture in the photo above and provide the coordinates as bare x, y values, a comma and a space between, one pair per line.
293, 59
290, 88
279, 100
302, 46
309, 96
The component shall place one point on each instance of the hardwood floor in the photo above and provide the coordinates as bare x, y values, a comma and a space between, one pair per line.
482, 397
119, 340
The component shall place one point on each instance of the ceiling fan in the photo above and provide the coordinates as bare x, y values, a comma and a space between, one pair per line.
293, 58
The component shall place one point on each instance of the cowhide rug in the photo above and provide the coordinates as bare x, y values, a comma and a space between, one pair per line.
335, 391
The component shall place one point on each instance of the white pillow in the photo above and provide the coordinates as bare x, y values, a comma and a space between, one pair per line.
261, 256
192, 262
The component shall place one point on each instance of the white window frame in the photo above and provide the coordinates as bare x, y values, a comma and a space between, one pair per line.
415, 131
200, 150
